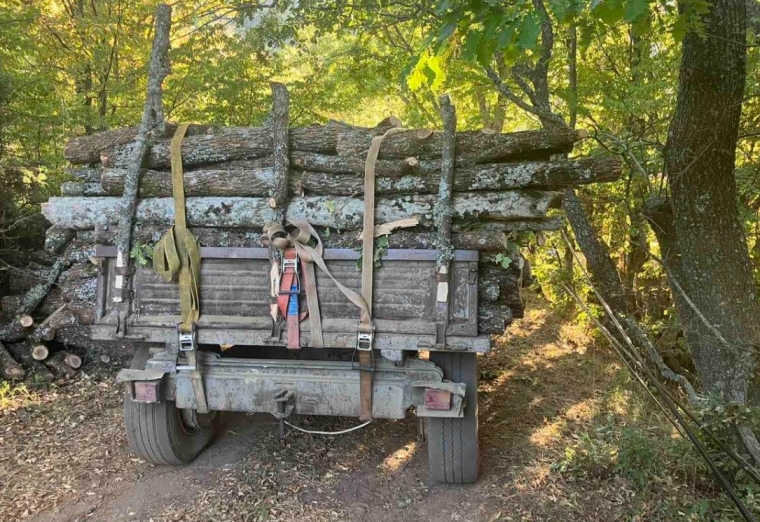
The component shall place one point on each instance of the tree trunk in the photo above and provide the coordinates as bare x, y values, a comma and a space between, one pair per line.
699, 161
37, 370
224, 144
551, 175
474, 146
600, 265
338, 212
85, 188
484, 238
224, 181
84, 150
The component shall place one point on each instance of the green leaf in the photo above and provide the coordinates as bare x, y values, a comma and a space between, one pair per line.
610, 11
635, 9
506, 35
503, 260
470, 47
529, 31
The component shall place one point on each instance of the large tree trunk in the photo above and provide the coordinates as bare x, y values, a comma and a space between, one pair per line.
699, 160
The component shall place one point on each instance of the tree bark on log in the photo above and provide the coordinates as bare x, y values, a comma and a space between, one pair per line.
9, 368
603, 272
83, 188
258, 182
499, 285
59, 368
493, 319
225, 144
337, 212
444, 208
87, 175
474, 146
550, 175
34, 297
84, 150
278, 199
340, 164
57, 239
35, 369
152, 120
484, 238
700, 157
82, 311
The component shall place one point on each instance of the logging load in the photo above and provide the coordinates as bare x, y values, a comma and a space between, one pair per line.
237, 179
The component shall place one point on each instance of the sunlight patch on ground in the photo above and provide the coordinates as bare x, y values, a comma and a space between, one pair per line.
399, 457
548, 434
582, 411
553, 431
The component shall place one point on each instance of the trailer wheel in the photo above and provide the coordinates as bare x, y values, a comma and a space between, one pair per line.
160, 432
453, 454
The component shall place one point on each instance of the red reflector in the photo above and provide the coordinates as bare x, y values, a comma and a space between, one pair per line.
147, 391
437, 399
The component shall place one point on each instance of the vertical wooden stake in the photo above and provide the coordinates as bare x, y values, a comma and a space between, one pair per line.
152, 122
442, 216
280, 121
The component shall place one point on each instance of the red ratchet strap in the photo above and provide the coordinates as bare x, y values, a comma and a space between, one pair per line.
287, 298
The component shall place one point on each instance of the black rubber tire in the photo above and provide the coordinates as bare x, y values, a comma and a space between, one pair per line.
453, 453
157, 433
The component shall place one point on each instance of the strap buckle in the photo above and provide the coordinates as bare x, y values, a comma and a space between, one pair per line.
188, 343
289, 264
365, 341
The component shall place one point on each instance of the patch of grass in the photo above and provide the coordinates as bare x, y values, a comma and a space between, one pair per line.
634, 447
13, 397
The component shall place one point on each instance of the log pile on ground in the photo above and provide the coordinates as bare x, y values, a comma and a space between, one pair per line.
502, 184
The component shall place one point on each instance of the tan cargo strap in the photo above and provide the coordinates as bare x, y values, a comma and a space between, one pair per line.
178, 256
299, 239
366, 325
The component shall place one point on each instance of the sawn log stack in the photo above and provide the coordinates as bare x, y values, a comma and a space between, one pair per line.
504, 184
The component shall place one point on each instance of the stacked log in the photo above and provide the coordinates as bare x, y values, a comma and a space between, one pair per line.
502, 183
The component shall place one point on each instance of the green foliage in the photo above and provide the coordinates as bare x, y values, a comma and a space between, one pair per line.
634, 446
142, 253
381, 248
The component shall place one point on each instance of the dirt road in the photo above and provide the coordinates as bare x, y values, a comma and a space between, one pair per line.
63, 455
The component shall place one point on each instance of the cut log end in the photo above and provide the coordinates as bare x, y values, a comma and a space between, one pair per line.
26, 321
40, 352
59, 367
72, 360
